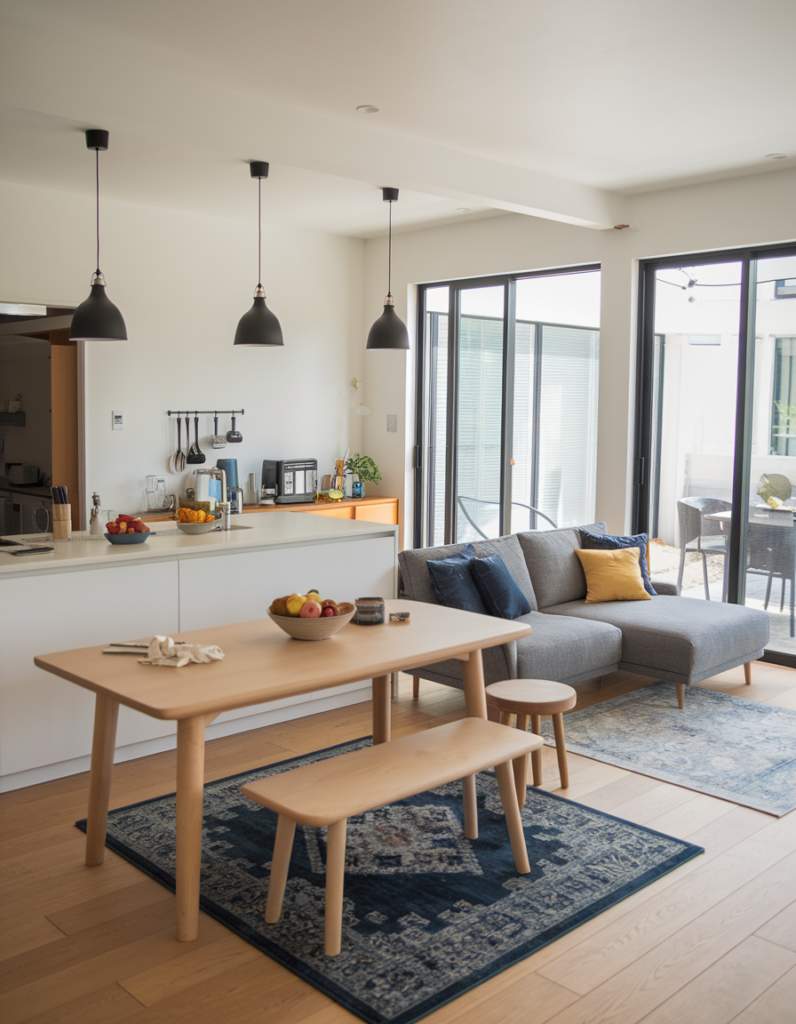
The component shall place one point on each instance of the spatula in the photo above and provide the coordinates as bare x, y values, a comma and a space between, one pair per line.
195, 453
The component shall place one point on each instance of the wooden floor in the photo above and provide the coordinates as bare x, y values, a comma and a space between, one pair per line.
713, 942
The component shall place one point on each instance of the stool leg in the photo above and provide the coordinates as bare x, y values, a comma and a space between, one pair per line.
508, 796
335, 875
520, 765
283, 847
561, 750
536, 755
415, 687
470, 807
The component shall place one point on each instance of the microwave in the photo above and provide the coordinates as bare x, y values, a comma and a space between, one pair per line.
291, 480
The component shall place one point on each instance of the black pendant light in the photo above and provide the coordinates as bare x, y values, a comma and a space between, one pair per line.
389, 331
97, 319
259, 326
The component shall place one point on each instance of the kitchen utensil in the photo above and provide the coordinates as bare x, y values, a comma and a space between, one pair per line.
176, 463
183, 452
234, 436
219, 440
195, 454
311, 629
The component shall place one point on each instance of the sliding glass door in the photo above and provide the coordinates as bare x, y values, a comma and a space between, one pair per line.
716, 439
507, 405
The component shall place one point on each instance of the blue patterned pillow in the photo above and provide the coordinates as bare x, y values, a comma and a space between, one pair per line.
453, 582
605, 542
502, 597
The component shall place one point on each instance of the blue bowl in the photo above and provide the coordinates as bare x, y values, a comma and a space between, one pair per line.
126, 538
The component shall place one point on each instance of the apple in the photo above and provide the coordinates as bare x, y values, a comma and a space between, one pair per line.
329, 604
328, 612
310, 610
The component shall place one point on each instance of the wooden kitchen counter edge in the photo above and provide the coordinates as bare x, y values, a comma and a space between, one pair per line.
160, 692
300, 506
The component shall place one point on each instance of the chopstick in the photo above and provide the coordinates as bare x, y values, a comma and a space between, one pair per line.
60, 495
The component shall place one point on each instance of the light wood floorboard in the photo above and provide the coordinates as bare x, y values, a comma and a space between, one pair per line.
714, 942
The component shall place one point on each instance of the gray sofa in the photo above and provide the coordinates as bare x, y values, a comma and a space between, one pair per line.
674, 638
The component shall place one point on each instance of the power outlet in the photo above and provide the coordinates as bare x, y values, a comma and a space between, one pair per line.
392, 424
118, 420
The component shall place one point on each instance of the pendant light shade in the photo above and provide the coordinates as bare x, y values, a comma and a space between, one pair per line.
97, 319
259, 326
389, 331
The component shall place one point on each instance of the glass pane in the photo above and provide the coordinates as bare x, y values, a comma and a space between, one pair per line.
479, 413
555, 386
436, 335
697, 311
771, 535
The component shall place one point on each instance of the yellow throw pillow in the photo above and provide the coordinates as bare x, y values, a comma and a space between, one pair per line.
612, 575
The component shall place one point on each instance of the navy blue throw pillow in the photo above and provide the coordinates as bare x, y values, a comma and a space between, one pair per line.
603, 541
453, 583
502, 597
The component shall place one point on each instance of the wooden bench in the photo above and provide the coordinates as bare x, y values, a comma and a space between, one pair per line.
331, 791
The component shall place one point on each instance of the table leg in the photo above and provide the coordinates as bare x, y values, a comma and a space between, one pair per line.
474, 692
106, 715
381, 709
190, 779
335, 880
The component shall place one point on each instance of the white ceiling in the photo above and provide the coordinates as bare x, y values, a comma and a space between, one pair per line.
550, 109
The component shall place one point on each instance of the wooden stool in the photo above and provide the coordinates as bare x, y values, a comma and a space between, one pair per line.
530, 699
331, 791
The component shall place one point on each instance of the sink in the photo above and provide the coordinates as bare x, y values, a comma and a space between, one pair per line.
234, 527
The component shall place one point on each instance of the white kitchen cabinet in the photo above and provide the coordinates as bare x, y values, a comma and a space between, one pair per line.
87, 593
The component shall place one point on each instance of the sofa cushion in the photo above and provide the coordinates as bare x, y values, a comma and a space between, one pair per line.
415, 578
679, 639
454, 584
607, 542
556, 574
567, 650
509, 549
501, 595
612, 575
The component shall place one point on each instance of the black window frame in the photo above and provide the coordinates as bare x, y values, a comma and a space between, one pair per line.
423, 463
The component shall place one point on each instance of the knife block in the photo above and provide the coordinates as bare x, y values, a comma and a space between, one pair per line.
62, 522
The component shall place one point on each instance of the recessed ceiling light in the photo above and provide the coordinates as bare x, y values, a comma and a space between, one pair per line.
775, 156
367, 108
463, 209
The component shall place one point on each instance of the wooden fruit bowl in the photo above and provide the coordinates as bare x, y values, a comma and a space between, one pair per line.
311, 629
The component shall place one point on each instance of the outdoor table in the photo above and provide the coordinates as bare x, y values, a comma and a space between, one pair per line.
261, 664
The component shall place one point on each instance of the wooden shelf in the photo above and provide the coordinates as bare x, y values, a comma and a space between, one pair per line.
12, 419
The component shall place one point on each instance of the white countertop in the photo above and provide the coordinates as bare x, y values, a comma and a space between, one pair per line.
275, 530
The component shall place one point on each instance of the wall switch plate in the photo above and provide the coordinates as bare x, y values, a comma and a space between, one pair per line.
118, 420
392, 424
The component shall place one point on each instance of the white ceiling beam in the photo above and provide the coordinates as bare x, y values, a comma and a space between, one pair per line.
40, 74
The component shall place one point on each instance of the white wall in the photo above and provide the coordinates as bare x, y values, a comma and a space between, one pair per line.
182, 282
754, 210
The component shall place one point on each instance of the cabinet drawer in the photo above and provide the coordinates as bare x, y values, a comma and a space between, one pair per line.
332, 512
386, 513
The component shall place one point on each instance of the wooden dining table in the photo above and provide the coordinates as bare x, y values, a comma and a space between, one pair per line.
261, 663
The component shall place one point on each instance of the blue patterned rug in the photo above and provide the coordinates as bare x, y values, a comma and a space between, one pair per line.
729, 747
428, 914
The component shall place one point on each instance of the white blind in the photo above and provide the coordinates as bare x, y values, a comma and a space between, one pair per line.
568, 424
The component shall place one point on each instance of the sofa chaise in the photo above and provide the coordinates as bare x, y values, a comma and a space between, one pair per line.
677, 639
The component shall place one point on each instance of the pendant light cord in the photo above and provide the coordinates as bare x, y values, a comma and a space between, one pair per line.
389, 256
259, 232
96, 153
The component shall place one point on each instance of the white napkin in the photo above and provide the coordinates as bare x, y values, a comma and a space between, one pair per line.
163, 651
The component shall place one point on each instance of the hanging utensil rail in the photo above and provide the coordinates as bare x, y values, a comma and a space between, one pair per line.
206, 412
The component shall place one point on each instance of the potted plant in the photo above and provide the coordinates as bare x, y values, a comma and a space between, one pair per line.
363, 467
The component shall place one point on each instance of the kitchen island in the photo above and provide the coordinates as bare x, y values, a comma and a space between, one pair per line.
88, 592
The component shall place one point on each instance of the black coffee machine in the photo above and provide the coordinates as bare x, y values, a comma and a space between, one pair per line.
290, 481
